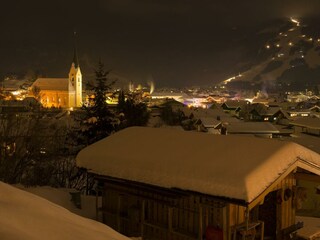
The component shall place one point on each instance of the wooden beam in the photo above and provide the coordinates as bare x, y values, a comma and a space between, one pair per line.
142, 217
225, 223
170, 215
200, 222
118, 212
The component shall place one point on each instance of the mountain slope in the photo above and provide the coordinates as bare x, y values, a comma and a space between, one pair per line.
289, 61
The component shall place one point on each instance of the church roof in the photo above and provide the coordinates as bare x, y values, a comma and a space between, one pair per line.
54, 84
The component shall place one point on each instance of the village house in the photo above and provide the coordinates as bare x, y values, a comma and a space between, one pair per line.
210, 125
259, 129
268, 114
234, 106
303, 112
308, 125
170, 184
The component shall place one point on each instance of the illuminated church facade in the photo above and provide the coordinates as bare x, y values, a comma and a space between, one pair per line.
60, 92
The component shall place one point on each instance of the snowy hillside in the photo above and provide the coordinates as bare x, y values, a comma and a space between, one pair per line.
292, 61
25, 216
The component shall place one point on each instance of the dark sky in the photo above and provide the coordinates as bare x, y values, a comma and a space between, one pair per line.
173, 42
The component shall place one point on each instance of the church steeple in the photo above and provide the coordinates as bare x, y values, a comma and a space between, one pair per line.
75, 53
75, 79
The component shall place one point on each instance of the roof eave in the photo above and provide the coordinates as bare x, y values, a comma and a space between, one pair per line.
174, 191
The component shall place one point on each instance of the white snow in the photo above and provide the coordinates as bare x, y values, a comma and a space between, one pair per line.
61, 84
311, 227
62, 197
25, 216
229, 166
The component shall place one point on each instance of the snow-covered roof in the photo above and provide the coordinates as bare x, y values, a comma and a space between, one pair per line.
235, 103
27, 216
54, 84
230, 166
272, 110
209, 122
310, 122
13, 84
200, 113
252, 127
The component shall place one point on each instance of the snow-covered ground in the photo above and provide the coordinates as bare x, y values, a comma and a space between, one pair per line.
25, 216
311, 227
62, 197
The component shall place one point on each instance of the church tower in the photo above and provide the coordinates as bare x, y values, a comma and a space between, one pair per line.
75, 79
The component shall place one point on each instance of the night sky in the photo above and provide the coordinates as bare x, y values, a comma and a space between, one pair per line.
173, 42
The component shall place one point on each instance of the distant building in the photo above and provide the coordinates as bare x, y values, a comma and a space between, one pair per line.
13, 89
234, 106
60, 92
259, 129
308, 125
271, 114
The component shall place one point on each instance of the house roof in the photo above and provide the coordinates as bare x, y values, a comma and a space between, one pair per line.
272, 110
210, 122
309, 122
12, 84
54, 84
235, 103
268, 111
299, 111
252, 127
200, 113
235, 167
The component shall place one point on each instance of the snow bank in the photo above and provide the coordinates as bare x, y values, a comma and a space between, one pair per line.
230, 166
62, 197
28, 217
311, 227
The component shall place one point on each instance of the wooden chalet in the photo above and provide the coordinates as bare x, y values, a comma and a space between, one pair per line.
271, 114
313, 111
260, 129
168, 184
233, 106
308, 125
208, 124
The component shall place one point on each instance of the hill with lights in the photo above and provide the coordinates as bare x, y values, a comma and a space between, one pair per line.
289, 60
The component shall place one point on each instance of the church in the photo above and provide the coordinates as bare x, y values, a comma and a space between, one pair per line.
60, 92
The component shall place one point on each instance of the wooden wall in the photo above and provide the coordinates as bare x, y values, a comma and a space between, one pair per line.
154, 214
286, 210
